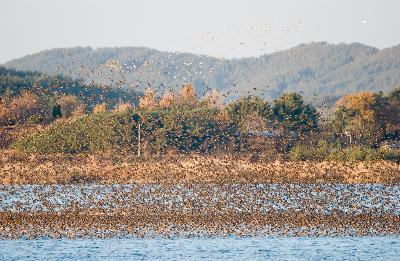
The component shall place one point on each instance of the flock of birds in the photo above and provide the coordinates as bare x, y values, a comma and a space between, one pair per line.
194, 207
114, 73
262, 37
198, 210
173, 73
192, 196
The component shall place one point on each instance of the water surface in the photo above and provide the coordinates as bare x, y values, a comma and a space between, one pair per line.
229, 248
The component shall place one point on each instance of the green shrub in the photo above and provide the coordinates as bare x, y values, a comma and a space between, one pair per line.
358, 153
300, 153
303, 153
199, 130
35, 119
325, 151
392, 155
88, 133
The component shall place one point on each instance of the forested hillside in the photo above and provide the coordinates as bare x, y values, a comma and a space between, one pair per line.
322, 72
13, 83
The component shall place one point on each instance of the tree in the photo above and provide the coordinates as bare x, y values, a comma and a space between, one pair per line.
99, 108
167, 100
26, 105
200, 130
4, 113
56, 112
393, 116
70, 105
213, 99
250, 113
124, 107
148, 101
363, 116
293, 115
189, 95
394, 96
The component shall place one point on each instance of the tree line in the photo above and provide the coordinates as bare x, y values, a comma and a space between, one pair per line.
30, 97
184, 123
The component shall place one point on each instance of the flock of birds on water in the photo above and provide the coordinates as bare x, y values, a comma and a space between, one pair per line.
199, 207
198, 210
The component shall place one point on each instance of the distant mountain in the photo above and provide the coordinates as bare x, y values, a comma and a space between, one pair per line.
320, 71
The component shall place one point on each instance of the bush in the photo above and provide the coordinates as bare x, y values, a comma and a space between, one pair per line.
25, 106
325, 151
70, 105
392, 155
200, 130
97, 132
303, 153
358, 153
35, 119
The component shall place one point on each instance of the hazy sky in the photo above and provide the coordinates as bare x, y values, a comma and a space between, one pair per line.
228, 28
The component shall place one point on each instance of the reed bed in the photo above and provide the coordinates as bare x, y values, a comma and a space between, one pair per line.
19, 168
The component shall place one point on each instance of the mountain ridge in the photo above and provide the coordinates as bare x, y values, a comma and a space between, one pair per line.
319, 70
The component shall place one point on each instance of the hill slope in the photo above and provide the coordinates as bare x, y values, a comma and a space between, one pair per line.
14, 82
320, 71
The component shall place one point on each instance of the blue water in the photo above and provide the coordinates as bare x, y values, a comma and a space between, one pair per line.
230, 248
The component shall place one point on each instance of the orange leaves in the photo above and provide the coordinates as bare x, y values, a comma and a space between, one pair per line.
148, 101
99, 108
188, 93
4, 113
167, 100
363, 106
25, 105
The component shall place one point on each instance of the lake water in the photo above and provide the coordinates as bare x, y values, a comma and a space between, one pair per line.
229, 248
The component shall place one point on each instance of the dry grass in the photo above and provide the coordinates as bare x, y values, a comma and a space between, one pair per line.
20, 168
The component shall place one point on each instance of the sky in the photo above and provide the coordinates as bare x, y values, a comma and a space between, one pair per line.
222, 28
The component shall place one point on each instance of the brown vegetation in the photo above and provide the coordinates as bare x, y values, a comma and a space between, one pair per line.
148, 101
70, 106
20, 168
123, 107
99, 108
26, 105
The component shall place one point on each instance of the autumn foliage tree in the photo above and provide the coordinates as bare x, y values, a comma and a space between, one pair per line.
4, 113
70, 105
167, 100
99, 108
123, 107
25, 106
213, 99
362, 115
189, 95
148, 101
